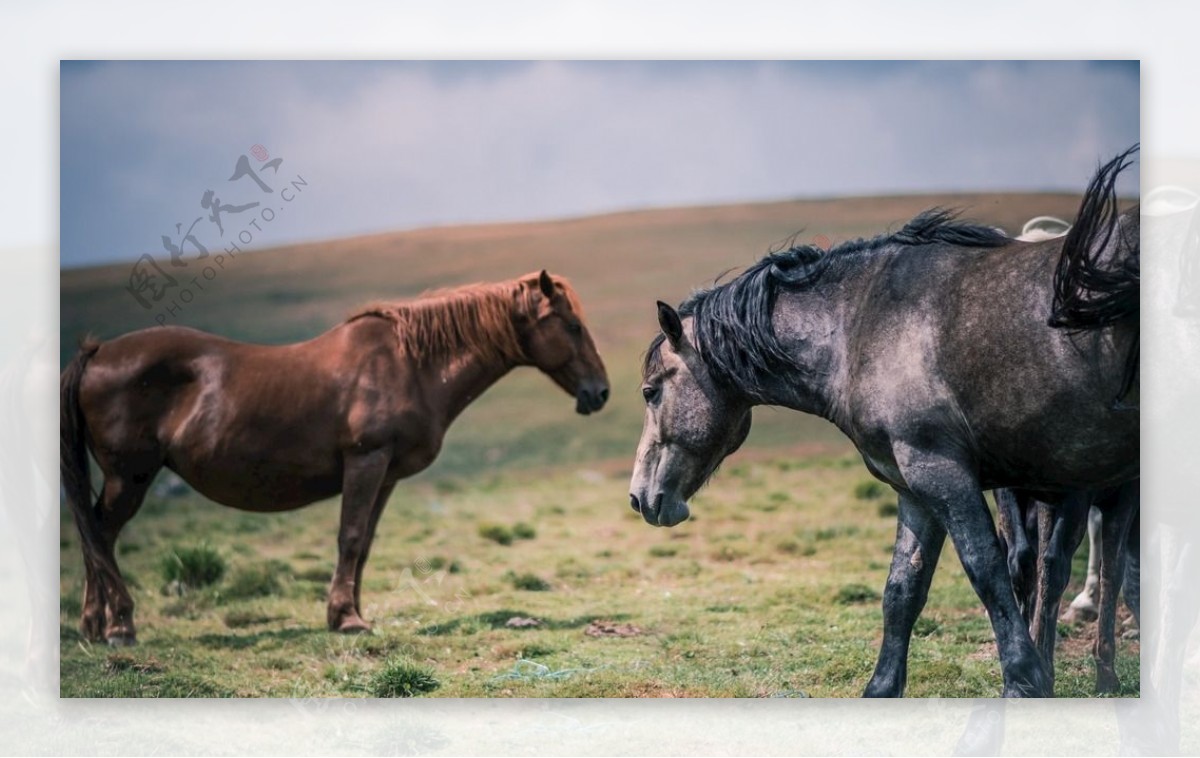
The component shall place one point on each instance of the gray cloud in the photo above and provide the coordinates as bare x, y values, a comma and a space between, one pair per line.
388, 146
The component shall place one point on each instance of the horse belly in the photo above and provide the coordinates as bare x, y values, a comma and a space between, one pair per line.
1086, 458
241, 458
262, 486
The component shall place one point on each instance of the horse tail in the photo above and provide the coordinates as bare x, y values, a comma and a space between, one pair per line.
73, 455
1097, 280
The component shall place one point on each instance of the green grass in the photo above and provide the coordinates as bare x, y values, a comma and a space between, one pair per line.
256, 580
739, 603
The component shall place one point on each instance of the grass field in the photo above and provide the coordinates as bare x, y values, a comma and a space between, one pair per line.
771, 590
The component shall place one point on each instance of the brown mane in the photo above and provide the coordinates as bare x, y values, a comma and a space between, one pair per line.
476, 318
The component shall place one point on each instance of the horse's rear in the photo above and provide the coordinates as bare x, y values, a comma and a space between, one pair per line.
209, 408
1043, 407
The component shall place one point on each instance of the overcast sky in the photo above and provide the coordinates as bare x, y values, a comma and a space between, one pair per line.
386, 146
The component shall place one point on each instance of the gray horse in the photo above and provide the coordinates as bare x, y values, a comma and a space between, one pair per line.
954, 357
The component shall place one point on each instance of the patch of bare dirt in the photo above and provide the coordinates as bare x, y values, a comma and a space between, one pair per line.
612, 629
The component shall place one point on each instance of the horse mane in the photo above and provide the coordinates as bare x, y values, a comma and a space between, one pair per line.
476, 318
732, 321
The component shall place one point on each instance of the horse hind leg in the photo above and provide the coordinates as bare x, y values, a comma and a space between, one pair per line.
1083, 607
121, 497
1115, 530
1133, 570
1011, 508
91, 621
1060, 530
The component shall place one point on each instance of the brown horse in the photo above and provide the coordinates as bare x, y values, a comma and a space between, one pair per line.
273, 428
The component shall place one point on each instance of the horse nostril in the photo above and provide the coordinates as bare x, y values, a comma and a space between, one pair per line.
604, 395
633, 503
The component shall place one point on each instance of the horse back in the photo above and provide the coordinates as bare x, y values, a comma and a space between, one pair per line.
255, 426
959, 354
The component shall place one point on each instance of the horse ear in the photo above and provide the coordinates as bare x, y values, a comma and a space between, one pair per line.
668, 320
546, 284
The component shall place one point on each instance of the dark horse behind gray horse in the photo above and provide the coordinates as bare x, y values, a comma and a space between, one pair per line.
1041, 538
955, 358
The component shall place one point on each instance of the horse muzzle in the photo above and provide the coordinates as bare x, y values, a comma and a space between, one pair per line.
662, 511
591, 397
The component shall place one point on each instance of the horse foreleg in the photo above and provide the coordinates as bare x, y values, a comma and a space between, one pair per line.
1114, 532
919, 540
951, 492
361, 483
381, 500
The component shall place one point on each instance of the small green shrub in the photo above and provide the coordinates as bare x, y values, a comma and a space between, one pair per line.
192, 567
926, 627
888, 509
663, 551
528, 582
402, 678
523, 531
498, 533
319, 574
869, 489
437, 563
855, 593
241, 618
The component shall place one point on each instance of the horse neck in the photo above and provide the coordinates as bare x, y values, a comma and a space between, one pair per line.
811, 325
455, 381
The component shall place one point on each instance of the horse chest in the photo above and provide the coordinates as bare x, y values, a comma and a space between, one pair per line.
414, 459
884, 467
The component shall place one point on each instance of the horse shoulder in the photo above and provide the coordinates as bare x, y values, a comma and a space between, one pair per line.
384, 405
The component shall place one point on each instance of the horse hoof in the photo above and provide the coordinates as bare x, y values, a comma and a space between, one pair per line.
353, 626
121, 640
1107, 683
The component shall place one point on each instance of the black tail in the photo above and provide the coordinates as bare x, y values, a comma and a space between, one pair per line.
73, 454
1095, 284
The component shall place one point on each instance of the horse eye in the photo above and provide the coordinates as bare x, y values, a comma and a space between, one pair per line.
650, 393
574, 327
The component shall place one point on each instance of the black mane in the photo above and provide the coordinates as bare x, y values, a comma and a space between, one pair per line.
732, 321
